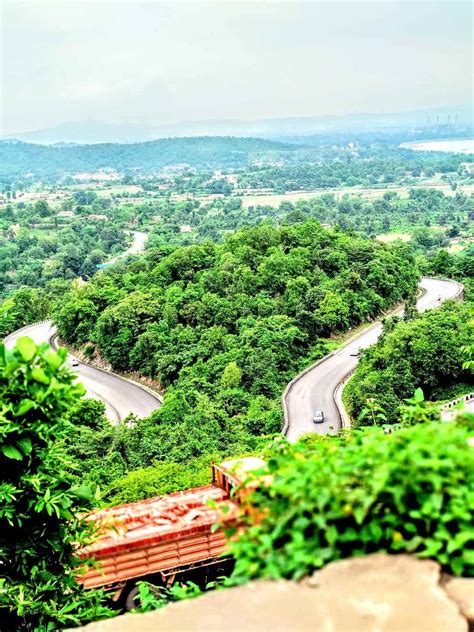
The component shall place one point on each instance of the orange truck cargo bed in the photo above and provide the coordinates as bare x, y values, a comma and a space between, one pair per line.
158, 535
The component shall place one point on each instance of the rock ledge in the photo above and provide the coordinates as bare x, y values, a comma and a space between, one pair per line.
377, 593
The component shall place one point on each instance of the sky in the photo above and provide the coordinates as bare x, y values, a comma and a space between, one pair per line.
155, 63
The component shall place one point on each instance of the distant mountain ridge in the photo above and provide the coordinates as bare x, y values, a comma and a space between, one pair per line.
18, 157
90, 131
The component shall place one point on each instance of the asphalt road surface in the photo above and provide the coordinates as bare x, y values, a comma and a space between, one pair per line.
138, 245
120, 396
315, 390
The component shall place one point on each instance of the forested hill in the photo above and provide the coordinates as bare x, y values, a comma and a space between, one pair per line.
17, 158
224, 327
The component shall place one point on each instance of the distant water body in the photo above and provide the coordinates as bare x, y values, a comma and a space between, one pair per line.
457, 146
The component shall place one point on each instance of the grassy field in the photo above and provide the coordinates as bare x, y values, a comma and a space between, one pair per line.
274, 200
119, 188
459, 244
393, 236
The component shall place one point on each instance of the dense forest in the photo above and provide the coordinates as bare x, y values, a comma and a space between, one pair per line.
36, 248
421, 352
38, 245
431, 217
322, 162
366, 166
224, 327
18, 158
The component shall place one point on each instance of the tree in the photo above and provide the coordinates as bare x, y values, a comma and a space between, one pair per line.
76, 316
42, 208
26, 305
119, 326
411, 311
7, 213
468, 354
443, 263
40, 510
333, 313
231, 376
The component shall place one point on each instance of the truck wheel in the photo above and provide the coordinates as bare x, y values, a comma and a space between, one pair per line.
132, 600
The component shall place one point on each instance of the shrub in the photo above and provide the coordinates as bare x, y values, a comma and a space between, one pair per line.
89, 350
160, 479
40, 508
335, 497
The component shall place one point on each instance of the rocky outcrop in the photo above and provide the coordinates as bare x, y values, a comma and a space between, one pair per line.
377, 593
461, 590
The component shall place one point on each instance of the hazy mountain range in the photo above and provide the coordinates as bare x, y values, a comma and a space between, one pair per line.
91, 131
18, 157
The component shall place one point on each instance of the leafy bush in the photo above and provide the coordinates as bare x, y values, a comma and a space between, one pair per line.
160, 479
152, 597
335, 497
40, 508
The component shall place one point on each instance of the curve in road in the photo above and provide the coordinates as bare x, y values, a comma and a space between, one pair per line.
315, 388
121, 396
138, 246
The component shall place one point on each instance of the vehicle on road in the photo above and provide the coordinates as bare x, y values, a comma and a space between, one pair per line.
74, 362
356, 353
169, 538
318, 417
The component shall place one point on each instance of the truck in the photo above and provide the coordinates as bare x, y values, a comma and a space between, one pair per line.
167, 538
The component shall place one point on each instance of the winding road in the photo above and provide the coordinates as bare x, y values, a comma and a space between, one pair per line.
315, 388
138, 245
120, 396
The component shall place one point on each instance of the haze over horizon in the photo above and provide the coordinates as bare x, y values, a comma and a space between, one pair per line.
161, 64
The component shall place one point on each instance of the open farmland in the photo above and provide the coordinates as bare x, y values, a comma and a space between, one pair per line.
393, 237
402, 191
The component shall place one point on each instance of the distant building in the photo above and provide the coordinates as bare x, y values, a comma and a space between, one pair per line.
181, 197
249, 191
66, 214
185, 228
180, 166
98, 175
155, 218
98, 217
231, 178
